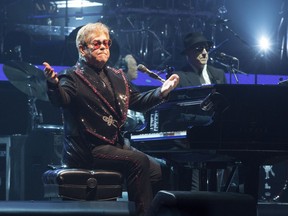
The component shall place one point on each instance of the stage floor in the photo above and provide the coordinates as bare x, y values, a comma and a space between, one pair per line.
107, 208
272, 209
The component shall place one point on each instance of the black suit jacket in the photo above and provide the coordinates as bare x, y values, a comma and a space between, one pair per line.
190, 77
94, 115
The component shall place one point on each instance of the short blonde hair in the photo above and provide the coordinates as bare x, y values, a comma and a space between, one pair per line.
84, 33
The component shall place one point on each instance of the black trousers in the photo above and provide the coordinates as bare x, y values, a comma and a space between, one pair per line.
141, 172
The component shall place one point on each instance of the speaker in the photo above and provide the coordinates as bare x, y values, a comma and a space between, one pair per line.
204, 203
4, 167
42, 147
16, 190
11, 167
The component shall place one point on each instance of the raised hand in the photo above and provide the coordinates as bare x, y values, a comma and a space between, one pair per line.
50, 74
169, 84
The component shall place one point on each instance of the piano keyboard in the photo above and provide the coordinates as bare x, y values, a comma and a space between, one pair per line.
158, 136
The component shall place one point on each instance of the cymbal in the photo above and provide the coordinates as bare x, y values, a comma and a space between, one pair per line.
27, 78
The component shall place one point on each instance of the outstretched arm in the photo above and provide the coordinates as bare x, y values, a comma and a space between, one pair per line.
169, 84
50, 74
59, 94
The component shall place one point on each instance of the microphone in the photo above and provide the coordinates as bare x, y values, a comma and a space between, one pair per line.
143, 69
167, 70
224, 55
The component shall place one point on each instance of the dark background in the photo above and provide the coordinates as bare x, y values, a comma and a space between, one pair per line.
39, 30
150, 30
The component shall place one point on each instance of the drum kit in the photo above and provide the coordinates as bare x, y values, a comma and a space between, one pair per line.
27, 78
31, 80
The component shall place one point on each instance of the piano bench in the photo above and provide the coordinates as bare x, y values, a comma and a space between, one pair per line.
204, 203
82, 184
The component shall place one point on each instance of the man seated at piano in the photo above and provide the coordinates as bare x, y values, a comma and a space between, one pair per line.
197, 71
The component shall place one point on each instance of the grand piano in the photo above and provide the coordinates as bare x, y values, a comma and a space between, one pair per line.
242, 123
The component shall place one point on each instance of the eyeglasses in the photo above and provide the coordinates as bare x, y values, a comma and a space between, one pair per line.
200, 48
97, 43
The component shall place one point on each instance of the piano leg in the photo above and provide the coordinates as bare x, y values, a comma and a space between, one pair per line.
250, 178
230, 178
203, 177
208, 179
208, 175
181, 176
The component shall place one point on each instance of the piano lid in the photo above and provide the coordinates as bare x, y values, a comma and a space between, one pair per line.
255, 117
187, 96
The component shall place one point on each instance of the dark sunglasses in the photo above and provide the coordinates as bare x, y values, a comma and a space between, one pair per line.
199, 49
97, 43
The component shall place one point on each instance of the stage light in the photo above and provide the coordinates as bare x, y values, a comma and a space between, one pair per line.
264, 44
77, 4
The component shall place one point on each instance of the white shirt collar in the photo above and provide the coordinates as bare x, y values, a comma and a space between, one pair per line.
205, 76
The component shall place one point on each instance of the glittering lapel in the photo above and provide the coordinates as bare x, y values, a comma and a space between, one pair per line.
116, 102
120, 85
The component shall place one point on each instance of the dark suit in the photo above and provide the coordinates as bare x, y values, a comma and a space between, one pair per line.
95, 105
190, 77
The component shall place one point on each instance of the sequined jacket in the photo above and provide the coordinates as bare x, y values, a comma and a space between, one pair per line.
92, 114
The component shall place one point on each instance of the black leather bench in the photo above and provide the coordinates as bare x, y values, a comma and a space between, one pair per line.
82, 184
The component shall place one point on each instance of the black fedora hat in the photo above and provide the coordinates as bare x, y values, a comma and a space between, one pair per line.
192, 39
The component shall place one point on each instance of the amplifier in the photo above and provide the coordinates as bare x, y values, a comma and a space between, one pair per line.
11, 167
5, 171
23, 160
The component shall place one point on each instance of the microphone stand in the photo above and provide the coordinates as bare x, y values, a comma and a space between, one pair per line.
244, 42
231, 70
236, 35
